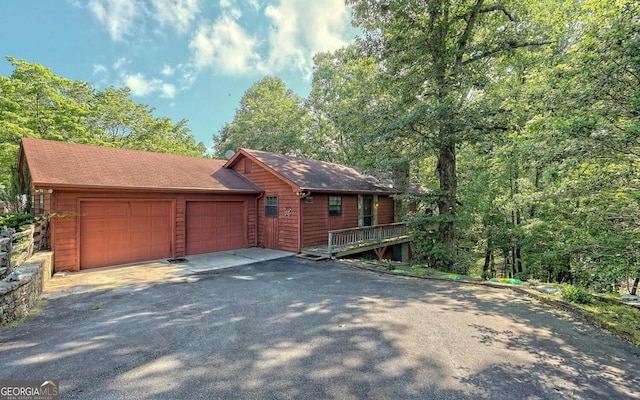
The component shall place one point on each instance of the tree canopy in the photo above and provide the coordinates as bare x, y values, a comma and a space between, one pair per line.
522, 117
270, 118
36, 103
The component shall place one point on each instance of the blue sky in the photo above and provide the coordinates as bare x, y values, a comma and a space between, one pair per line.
190, 59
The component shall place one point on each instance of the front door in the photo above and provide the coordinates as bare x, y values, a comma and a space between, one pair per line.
271, 236
367, 210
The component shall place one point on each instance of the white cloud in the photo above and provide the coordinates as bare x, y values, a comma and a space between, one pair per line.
187, 75
282, 36
297, 30
255, 4
301, 28
167, 70
140, 85
99, 69
230, 8
167, 90
118, 16
122, 18
120, 63
225, 46
178, 14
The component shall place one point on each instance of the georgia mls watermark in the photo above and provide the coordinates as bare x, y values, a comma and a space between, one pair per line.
29, 390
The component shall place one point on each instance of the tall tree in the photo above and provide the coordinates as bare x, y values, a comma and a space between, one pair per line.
437, 57
345, 99
34, 102
270, 118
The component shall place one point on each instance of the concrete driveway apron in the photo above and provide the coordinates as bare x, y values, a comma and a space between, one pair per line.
141, 275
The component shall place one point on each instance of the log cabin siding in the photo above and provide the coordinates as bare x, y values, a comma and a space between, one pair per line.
65, 233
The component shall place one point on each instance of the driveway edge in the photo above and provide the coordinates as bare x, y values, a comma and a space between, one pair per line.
551, 301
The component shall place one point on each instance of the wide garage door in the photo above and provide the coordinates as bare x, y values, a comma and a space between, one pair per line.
120, 232
215, 226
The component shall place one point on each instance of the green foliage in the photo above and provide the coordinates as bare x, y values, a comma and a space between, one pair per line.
576, 294
270, 118
440, 64
428, 247
36, 103
17, 221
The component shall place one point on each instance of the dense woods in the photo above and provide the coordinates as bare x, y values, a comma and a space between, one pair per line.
521, 117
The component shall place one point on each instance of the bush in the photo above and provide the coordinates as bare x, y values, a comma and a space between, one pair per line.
16, 220
576, 294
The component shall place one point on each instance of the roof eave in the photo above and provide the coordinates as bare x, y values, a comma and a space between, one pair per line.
349, 191
66, 186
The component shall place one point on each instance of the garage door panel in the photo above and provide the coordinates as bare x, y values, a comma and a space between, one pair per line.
118, 232
117, 210
114, 224
215, 226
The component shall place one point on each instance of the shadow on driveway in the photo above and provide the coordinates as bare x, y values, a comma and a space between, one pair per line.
292, 328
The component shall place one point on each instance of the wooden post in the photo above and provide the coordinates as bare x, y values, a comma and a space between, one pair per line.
5, 256
405, 252
330, 244
9, 252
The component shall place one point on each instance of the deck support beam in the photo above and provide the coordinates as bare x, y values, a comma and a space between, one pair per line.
380, 252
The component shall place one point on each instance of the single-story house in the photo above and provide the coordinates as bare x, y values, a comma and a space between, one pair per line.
114, 206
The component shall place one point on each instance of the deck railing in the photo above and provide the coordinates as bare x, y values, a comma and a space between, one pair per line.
366, 235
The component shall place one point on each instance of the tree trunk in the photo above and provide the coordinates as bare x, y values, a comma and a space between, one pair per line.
537, 186
517, 258
401, 181
448, 186
634, 289
486, 268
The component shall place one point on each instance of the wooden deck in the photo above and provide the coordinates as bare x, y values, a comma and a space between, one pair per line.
344, 242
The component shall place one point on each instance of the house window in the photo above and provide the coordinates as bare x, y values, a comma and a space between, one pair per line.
335, 205
271, 206
41, 205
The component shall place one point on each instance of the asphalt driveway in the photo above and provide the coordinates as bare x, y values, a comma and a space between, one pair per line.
298, 329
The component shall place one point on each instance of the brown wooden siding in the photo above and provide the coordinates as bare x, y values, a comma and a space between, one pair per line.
385, 210
288, 208
64, 229
317, 222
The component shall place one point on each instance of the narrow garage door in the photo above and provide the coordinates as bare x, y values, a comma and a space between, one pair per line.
120, 232
215, 226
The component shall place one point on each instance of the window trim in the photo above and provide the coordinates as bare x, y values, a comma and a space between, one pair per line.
270, 210
335, 210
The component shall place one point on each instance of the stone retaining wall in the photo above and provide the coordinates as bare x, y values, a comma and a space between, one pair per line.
17, 298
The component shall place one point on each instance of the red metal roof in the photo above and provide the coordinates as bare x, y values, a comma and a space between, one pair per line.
64, 164
308, 174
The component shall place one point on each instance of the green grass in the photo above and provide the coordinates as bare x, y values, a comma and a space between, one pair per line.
419, 270
621, 319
